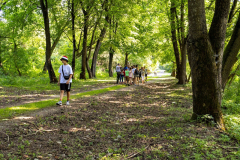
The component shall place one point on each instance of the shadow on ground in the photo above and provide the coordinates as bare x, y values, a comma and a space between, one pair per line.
146, 122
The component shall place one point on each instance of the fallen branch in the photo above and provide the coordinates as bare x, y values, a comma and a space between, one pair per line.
6, 135
135, 154
30, 123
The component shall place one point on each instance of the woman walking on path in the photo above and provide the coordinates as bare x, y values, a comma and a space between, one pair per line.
146, 73
136, 74
122, 76
142, 74
118, 70
127, 76
133, 71
65, 79
130, 76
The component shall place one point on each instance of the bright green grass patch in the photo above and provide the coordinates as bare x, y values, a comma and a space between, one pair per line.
6, 113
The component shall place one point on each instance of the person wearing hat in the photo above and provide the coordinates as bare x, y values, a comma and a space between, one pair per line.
118, 70
65, 79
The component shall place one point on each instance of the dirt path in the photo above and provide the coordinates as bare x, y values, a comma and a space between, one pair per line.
32, 96
145, 122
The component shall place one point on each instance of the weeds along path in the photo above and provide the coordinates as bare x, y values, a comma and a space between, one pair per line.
16, 96
151, 121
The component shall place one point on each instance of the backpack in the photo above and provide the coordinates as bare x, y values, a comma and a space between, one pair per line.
136, 72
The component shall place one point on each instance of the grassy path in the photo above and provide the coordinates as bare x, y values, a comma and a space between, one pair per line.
145, 122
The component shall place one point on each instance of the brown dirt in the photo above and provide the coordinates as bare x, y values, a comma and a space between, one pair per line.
151, 121
16, 96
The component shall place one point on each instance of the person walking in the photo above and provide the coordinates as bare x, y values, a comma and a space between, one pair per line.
146, 73
127, 76
130, 76
136, 74
118, 70
133, 71
142, 74
121, 76
65, 80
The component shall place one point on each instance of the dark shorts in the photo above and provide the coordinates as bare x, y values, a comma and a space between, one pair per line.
65, 87
145, 75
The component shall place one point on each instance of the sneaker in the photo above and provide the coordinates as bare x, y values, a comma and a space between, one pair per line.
67, 103
59, 103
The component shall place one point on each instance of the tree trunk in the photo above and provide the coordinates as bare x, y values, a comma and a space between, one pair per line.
15, 63
51, 72
1, 65
183, 48
231, 53
110, 66
173, 74
232, 11
99, 42
189, 77
84, 54
74, 39
90, 50
206, 56
182, 76
126, 59
174, 39
95, 54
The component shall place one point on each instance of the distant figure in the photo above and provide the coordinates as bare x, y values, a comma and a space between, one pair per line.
136, 75
130, 76
118, 70
146, 73
122, 76
127, 76
143, 74
65, 79
133, 71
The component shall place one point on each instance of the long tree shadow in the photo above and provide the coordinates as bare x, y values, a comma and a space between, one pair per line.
147, 122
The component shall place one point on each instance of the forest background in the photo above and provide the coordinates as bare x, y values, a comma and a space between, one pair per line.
98, 34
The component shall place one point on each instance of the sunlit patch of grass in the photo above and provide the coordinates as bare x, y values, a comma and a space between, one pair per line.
10, 112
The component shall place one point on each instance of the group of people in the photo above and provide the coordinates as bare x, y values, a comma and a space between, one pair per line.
131, 75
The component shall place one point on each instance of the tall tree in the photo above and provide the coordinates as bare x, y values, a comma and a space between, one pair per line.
100, 39
44, 7
112, 32
73, 37
179, 40
206, 51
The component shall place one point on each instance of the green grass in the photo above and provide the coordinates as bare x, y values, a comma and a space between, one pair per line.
10, 112
41, 83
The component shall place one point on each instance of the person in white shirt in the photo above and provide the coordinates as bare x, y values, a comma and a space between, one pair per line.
133, 71
118, 70
65, 79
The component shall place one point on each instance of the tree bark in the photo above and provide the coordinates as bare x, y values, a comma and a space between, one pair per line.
205, 65
182, 76
230, 53
74, 39
51, 72
126, 59
90, 50
231, 15
110, 66
183, 48
1, 65
84, 53
99, 42
97, 48
174, 39
15, 63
